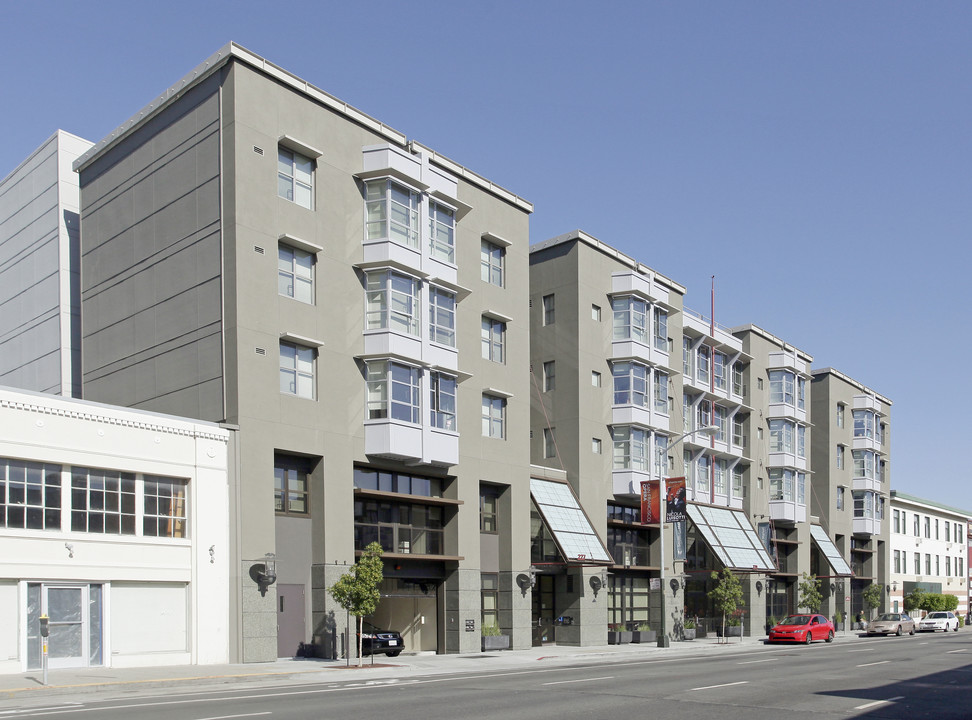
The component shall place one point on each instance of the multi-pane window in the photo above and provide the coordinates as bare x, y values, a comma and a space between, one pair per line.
291, 483
660, 329
631, 445
393, 391
687, 356
840, 498
630, 383
102, 501
801, 393
396, 482
296, 370
490, 599
661, 462
801, 488
948, 532
494, 416
549, 375
719, 420
737, 482
840, 457
392, 301
442, 232
738, 385
164, 507
442, 316
295, 177
660, 382
492, 263
781, 386
863, 423
703, 357
442, 401
917, 525
549, 309
703, 471
863, 464
897, 561
30, 495
705, 414
493, 334
688, 413
630, 319
801, 441
295, 273
404, 528
392, 212
917, 563
781, 484
840, 415
720, 474
863, 504
927, 527
549, 445
719, 370
488, 499
781, 436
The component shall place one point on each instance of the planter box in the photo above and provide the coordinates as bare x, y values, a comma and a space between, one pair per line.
688, 633
734, 630
619, 637
644, 636
496, 642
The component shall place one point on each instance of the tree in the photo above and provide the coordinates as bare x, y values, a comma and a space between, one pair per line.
810, 596
915, 600
727, 595
359, 590
871, 595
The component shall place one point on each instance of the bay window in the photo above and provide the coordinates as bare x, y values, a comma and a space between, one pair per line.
630, 448
781, 436
442, 316
392, 301
661, 392
630, 383
392, 212
442, 231
863, 424
442, 401
393, 391
781, 484
781, 386
630, 319
660, 327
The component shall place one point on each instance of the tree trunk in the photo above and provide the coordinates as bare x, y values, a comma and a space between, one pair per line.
360, 639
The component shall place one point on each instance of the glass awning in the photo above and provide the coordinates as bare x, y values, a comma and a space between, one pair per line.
830, 551
567, 522
731, 537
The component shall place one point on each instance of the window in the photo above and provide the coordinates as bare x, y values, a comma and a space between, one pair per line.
596, 446
549, 445
296, 370
688, 412
395, 482
392, 212
863, 464
630, 319
703, 471
442, 401
840, 415
705, 414
488, 498
164, 507
863, 423
917, 563
720, 476
660, 327
30, 495
630, 448
863, 504
630, 383
781, 386
595, 378
442, 232
738, 435
840, 498
494, 416
738, 385
703, 356
687, 356
781, 484
928, 564
737, 483
596, 313
801, 441
490, 599
295, 177
802, 489
548, 309
948, 566
897, 561
879, 511
662, 465
398, 526
917, 525
719, 370
897, 522
759, 383
492, 260
661, 392
102, 501
936, 528
291, 483
781, 436
402, 401
549, 376
840, 457
392, 302
295, 273
948, 533
493, 336
927, 527
801, 393
442, 316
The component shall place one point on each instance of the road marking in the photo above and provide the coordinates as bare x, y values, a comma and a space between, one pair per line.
564, 682
750, 662
955, 651
711, 687
879, 662
227, 717
862, 650
878, 702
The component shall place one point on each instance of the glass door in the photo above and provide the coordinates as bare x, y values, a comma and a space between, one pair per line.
65, 608
543, 610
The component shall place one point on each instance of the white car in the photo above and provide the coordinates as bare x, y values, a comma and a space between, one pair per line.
939, 621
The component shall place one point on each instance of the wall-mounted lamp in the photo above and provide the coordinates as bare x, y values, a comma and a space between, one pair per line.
759, 587
264, 574
70, 549
596, 585
526, 581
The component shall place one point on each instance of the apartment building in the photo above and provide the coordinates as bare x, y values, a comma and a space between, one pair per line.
115, 524
257, 252
851, 481
929, 550
39, 270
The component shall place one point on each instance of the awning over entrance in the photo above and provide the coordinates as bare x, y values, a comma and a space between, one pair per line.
830, 551
731, 537
567, 522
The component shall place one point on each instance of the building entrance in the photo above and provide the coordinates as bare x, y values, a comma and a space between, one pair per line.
544, 610
411, 608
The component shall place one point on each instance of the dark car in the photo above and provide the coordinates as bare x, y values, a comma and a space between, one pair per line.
803, 629
376, 642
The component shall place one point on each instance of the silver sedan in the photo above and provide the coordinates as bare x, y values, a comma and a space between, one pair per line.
892, 624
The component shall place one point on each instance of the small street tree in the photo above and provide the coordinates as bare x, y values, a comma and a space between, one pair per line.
871, 595
726, 596
810, 596
915, 600
359, 590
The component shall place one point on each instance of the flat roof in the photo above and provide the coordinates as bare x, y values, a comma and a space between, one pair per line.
765, 334
851, 381
898, 495
232, 51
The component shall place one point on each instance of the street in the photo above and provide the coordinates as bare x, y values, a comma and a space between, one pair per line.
925, 676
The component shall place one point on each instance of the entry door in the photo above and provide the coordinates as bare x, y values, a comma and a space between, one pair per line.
543, 610
290, 619
66, 607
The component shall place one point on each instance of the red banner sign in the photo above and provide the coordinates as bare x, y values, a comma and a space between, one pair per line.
650, 497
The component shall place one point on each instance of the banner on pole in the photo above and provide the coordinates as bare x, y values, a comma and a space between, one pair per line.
650, 502
675, 500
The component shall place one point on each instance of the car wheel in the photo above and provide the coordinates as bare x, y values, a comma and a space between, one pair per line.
395, 654
898, 631
830, 636
809, 638
955, 628
912, 630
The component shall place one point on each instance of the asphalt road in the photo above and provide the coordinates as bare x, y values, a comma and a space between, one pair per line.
925, 676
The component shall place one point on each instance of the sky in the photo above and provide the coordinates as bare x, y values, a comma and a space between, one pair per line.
815, 158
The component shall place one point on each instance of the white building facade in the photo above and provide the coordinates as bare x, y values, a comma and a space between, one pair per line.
115, 524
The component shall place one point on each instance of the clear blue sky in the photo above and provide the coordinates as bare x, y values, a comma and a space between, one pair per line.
815, 157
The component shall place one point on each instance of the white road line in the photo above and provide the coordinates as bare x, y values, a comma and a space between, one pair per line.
567, 682
751, 662
879, 662
878, 702
711, 687
862, 650
955, 651
227, 717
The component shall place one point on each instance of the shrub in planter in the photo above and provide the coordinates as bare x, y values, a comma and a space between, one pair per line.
617, 635
494, 639
688, 630
644, 634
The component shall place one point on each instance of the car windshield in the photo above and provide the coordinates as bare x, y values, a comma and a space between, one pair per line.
937, 616
796, 620
889, 617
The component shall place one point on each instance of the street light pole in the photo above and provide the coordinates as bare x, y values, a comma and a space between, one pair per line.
663, 639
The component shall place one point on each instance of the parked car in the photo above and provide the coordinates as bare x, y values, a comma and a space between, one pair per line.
892, 624
375, 641
803, 628
939, 621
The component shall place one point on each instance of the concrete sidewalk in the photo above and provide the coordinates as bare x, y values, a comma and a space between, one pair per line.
115, 681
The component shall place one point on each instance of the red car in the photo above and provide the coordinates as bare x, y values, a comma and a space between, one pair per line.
803, 628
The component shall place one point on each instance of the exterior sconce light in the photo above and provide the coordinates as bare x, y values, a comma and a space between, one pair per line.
596, 585
759, 587
264, 574
526, 581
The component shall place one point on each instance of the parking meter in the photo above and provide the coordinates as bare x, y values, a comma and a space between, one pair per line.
45, 626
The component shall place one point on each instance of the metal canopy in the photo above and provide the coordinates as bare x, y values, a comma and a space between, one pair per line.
830, 551
567, 522
731, 537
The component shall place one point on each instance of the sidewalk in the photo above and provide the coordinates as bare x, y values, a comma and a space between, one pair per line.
113, 681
